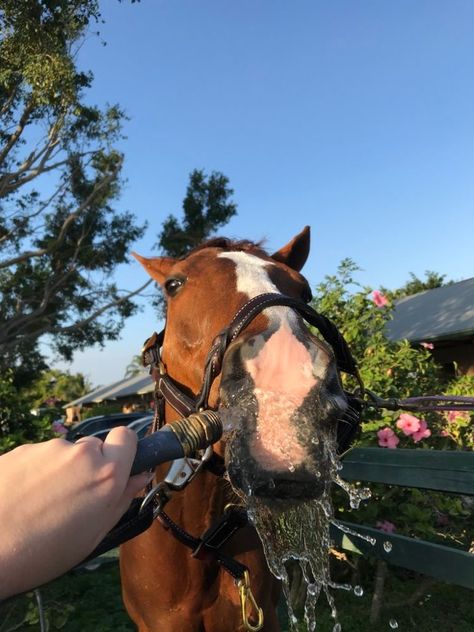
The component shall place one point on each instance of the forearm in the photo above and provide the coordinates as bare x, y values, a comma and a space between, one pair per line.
57, 502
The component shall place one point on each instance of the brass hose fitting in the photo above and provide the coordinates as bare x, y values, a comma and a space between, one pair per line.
197, 431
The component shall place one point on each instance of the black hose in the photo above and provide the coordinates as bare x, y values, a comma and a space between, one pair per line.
177, 439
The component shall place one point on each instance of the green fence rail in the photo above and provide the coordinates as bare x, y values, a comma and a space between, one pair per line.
447, 471
442, 470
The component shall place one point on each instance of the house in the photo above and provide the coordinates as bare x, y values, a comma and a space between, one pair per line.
130, 389
444, 317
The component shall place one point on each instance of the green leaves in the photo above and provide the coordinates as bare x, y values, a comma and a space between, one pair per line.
60, 175
396, 369
206, 208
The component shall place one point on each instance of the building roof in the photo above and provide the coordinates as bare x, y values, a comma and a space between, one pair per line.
135, 385
443, 313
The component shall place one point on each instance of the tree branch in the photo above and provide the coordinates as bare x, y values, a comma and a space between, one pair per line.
99, 312
9, 101
33, 254
7, 340
43, 206
17, 133
9, 182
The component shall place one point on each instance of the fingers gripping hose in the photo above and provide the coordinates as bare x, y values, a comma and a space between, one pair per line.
178, 439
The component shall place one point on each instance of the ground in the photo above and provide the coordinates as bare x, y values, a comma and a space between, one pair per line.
91, 602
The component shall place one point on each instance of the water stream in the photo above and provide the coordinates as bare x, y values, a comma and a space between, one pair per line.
297, 531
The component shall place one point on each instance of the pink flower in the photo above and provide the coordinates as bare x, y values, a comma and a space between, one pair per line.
385, 525
58, 427
454, 415
422, 433
444, 433
387, 438
408, 423
379, 299
427, 345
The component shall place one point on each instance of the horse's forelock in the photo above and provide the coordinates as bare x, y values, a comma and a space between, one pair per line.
230, 245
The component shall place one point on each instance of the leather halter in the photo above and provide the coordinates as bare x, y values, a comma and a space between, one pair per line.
166, 389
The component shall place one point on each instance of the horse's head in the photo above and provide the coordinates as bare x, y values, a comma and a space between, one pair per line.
279, 382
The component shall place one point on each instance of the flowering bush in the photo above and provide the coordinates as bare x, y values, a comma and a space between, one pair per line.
400, 370
387, 438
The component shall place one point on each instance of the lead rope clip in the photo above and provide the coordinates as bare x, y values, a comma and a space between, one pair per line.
247, 602
160, 495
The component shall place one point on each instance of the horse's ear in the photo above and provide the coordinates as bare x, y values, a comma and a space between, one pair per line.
295, 253
157, 267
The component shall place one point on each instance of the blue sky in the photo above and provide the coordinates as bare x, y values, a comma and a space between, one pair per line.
354, 117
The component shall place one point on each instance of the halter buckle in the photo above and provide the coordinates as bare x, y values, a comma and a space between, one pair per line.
248, 603
182, 471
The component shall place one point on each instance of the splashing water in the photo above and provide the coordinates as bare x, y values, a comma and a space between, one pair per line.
299, 533
296, 531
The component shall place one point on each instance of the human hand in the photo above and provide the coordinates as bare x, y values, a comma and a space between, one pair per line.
57, 502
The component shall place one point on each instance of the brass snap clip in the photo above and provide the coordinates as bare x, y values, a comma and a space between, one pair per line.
249, 605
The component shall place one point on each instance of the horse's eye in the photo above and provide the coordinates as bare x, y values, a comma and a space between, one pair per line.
172, 286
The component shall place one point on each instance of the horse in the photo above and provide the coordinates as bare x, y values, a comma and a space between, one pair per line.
283, 378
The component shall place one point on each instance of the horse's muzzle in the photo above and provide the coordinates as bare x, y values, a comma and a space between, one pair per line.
282, 439
294, 488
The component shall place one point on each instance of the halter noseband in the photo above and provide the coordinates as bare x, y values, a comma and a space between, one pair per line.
166, 389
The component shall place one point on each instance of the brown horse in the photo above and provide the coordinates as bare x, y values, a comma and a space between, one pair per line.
283, 378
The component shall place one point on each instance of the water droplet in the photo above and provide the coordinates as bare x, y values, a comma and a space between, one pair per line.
387, 547
293, 619
393, 623
291, 467
315, 441
337, 628
312, 589
358, 591
344, 529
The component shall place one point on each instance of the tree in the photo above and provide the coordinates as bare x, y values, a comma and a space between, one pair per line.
135, 367
58, 387
206, 207
60, 235
415, 285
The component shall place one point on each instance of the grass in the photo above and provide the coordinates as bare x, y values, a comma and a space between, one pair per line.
91, 602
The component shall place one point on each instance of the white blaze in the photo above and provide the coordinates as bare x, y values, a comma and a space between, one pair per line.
252, 280
283, 372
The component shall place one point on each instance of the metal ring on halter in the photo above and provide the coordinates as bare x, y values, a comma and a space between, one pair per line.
162, 489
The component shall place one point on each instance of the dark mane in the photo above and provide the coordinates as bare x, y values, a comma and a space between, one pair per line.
229, 245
